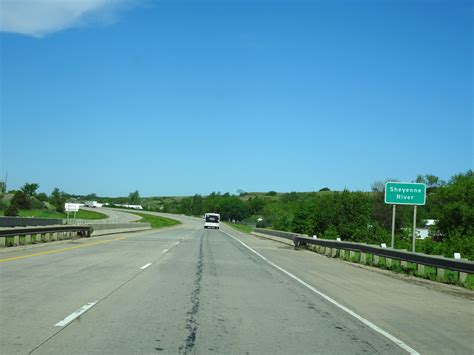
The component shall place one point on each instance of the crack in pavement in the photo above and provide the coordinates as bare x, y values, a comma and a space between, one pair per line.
191, 321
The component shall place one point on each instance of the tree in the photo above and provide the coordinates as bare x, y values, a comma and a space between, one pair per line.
58, 199
324, 189
20, 200
29, 189
42, 197
271, 193
3, 187
134, 198
12, 211
453, 204
91, 197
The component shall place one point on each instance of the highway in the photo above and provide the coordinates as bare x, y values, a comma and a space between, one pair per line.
189, 290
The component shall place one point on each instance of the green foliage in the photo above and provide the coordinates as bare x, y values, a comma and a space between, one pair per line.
157, 221
134, 198
453, 205
271, 193
3, 205
57, 199
12, 211
42, 197
324, 189
20, 200
29, 189
241, 227
36, 204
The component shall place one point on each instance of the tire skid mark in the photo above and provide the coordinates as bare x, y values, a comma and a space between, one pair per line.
191, 315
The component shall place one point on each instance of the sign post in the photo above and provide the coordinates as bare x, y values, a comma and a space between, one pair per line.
393, 226
405, 193
71, 207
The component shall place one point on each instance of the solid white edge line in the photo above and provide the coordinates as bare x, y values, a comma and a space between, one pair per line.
75, 314
368, 323
145, 266
164, 251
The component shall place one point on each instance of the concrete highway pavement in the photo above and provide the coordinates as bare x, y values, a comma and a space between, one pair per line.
190, 290
114, 215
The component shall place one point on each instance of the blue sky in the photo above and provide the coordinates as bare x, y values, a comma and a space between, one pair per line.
184, 97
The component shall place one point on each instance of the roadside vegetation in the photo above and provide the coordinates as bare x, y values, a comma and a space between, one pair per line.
352, 215
240, 227
359, 216
44, 213
157, 221
27, 202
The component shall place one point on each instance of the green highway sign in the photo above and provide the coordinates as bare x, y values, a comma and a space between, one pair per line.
405, 193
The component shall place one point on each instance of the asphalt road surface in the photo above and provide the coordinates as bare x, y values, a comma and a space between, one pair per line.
189, 290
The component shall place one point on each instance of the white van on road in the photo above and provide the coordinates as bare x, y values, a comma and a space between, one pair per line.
211, 220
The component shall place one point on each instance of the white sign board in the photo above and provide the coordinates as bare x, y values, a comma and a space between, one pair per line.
71, 207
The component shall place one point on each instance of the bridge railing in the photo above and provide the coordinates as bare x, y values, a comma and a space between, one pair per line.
29, 235
334, 248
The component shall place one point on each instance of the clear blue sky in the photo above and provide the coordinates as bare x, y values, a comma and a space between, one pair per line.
184, 97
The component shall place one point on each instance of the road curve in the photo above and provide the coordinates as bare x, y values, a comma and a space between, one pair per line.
114, 215
189, 290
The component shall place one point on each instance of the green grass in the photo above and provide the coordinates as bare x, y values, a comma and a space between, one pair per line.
469, 283
157, 221
240, 227
81, 214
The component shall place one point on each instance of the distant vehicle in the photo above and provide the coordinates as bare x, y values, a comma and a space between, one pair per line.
211, 220
93, 204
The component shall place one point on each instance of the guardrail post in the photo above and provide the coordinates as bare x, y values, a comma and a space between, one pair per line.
47, 237
27, 239
351, 255
388, 262
3, 242
439, 274
376, 260
328, 251
420, 268
462, 277
52, 237
16, 240
342, 253
333, 252
362, 257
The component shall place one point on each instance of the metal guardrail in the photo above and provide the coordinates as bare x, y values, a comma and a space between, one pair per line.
402, 255
20, 231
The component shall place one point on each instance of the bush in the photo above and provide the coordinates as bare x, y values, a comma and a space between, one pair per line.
21, 201
42, 197
35, 204
12, 211
3, 205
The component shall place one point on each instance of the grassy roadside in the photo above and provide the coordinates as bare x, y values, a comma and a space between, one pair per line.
156, 221
240, 227
81, 214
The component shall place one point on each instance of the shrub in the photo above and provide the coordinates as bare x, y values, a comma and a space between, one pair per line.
20, 200
12, 211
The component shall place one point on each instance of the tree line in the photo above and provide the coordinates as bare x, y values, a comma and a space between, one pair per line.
354, 215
